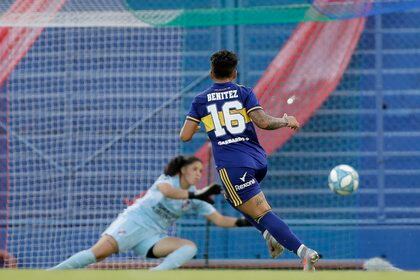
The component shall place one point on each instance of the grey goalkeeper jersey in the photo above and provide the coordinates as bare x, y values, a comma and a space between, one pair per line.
154, 210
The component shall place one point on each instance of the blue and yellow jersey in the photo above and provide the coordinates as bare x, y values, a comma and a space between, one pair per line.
224, 109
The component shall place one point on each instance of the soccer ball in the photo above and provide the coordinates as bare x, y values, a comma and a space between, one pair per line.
343, 180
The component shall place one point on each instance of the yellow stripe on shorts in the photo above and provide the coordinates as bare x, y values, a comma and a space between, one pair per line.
222, 176
231, 190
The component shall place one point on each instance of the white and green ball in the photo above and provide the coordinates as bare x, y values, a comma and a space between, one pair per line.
343, 180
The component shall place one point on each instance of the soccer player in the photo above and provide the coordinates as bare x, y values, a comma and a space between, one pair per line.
142, 227
228, 111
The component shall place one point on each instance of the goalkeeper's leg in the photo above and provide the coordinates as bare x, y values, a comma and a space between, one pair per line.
175, 251
105, 247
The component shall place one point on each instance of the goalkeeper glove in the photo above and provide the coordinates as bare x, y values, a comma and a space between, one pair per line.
205, 193
242, 222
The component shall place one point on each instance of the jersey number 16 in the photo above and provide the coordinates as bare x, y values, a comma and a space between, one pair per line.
234, 122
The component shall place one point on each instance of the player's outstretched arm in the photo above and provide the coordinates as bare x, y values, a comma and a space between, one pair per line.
267, 122
188, 130
171, 192
226, 221
203, 194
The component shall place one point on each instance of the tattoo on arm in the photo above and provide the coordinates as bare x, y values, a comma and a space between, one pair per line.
275, 123
264, 121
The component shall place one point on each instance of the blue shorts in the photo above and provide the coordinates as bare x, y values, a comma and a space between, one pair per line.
241, 183
132, 236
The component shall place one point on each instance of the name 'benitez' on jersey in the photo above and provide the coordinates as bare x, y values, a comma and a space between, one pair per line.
223, 108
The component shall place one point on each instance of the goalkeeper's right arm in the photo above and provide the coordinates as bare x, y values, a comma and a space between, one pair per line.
227, 221
204, 194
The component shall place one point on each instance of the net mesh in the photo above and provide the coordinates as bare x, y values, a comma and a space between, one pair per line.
89, 124
92, 105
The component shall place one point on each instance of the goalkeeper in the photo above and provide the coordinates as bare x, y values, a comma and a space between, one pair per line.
142, 226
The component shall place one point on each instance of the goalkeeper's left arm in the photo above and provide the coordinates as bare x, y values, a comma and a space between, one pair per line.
226, 221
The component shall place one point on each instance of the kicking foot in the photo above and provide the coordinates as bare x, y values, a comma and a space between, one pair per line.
310, 257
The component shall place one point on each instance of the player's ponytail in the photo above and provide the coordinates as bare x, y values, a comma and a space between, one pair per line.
174, 166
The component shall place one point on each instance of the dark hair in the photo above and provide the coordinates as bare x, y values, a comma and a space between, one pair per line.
174, 165
223, 64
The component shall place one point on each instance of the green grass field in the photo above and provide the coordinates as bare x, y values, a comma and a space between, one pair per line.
204, 275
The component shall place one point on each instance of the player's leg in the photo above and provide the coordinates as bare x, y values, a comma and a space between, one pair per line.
258, 208
122, 235
241, 184
105, 247
275, 249
175, 251
244, 193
